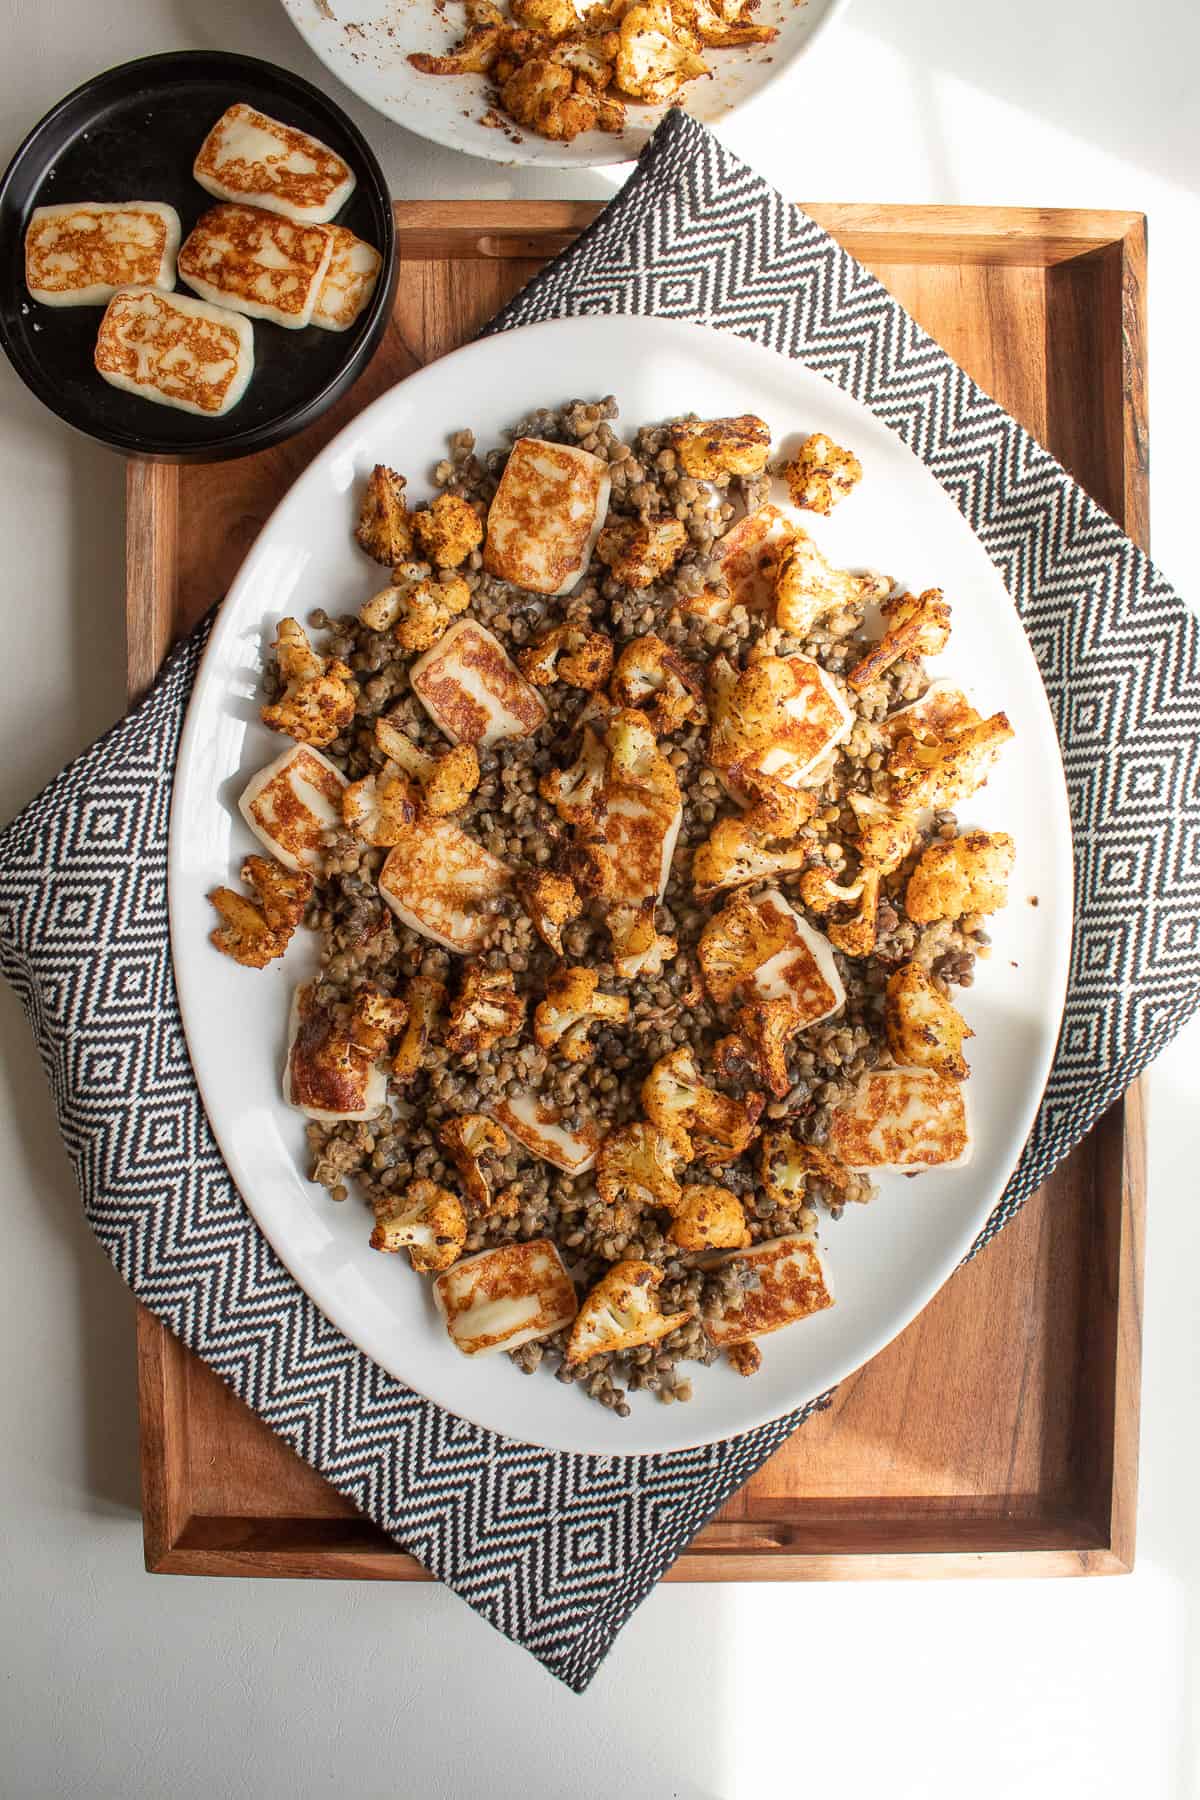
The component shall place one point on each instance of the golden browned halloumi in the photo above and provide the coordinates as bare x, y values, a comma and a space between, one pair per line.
261, 162
175, 351
325, 1076
902, 1119
545, 518
817, 719
748, 556
804, 972
349, 281
506, 1297
792, 1284
80, 254
293, 804
472, 689
440, 882
538, 1127
257, 263
941, 707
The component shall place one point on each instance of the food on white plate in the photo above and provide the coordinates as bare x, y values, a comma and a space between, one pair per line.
175, 351
654, 969
257, 263
546, 515
256, 931
80, 253
349, 282
506, 1297
259, 161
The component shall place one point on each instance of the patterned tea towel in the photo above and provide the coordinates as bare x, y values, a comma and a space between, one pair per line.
557, 1550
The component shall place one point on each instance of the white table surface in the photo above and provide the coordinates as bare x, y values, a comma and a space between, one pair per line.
113, 1683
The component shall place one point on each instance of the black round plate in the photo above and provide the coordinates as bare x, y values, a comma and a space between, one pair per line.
132, 134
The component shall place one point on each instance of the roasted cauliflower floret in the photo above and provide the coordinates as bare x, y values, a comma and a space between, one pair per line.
941, 771
640, 551
808, 587
924, 1030
774, 724
317, 703
541, 94
470, 1138
447, 781
885, 835
917, 625
549, 18
621, 1312
375, 1019
850, 909
655, 60
757, 1049
551, 901
638, 946
650, 677
735, 853
425, 997
577, 793
417, 608
592, 59
738, 940
709, 1218
792, 1173
429, 1222
676, 1098
723, 24
634, 756
384, 529
636, 1164
255, 934
708, 448
821, 474
582, 659
967, 875
563, 1019
480, 49
379, 808
486, 1010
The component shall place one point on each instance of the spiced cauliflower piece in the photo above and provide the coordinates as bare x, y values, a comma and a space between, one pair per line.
621, 1312
638, 946
757, 1049
675, 1097
656, 58
850, 908
724, 24
917, 625
469, 1138
967, 875
775, 724
417, 608
379, 808
318, 703
735, 853
486, 1010
562, 1020
545, 96
792, 1172
709, 1218
885, 834
254, 932
639, 552
924, 1030
651, 677
708, 448
375, 1019
428, 1222
737, 941
425, 997
821, 474
944, 769
447, 781
582, 659
479, 51
808, 586
549, 18
384, 528
552, 901
636, 1164
577, 793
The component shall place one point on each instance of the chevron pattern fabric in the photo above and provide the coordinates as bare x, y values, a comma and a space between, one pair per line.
556, 1551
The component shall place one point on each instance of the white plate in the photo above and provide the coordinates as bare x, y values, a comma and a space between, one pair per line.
366, 45
886, 1259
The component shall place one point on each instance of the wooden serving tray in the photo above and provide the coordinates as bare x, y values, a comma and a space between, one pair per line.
998, 1435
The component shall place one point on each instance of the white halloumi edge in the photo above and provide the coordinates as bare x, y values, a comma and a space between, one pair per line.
242, 141
374, 1094
768, 977
488, 1318
553, 1143
197, 309
912, 1168
99, 293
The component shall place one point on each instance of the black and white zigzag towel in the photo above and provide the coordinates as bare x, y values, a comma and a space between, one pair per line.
553, 1550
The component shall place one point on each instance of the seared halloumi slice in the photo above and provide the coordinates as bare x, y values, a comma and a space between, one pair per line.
293, 804
804, 971
80, 254
942, 707
748, 556
324, 1076
792, 1284
503, 1298
543, 524
538, 1128
902, 1119
175, 351
250, 157
257, 263
818, 719
472, 689
440, 882
640, 834
349, 280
